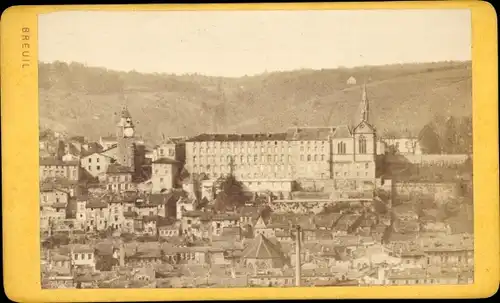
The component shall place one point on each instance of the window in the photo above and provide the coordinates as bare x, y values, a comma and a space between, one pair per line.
76, 256
341, 148
301, 157
98, 166
90, 167
161, 180
171, 152
255, 158
308, 157
194, 158
367, 165
90, 160
302, 148
362, 145
322, 157
89, 256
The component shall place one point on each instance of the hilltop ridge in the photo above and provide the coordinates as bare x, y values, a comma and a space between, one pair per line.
78, 100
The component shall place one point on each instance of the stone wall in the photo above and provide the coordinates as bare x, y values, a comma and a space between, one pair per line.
440, 192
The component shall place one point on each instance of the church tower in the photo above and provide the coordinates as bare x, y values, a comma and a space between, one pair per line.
125, 132
364, 141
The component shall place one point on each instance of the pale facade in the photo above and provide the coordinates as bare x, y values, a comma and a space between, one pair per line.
50, 168
96, 164
164, 174
404, 146
318, 153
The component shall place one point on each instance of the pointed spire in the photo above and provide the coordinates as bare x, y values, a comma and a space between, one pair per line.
364, 104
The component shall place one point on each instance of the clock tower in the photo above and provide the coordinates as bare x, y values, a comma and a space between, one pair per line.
125, 136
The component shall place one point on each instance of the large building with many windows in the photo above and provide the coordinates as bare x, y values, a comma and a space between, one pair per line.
343, 156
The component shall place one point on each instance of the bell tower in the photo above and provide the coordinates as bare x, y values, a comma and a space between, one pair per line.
125, 139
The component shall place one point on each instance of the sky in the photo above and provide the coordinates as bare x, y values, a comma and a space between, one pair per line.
237, 43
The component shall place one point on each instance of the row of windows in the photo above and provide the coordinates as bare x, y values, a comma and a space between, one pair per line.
312, 158
242, 159
252, 175
118, 179
223, 168
59, 173
90, 160
239, 143
89, 256
255, 149
126, 186
171, 152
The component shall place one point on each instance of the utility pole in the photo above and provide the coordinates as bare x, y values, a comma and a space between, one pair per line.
297, 256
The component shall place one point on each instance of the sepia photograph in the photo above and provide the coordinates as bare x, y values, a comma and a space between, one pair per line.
259, 148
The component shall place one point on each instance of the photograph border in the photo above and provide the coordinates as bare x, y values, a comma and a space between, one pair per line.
20, 207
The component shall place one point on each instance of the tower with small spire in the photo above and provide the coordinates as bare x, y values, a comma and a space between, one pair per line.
125, 134
364, 136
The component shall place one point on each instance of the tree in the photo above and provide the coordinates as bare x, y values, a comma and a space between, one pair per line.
231, 193
429, 140
450, 140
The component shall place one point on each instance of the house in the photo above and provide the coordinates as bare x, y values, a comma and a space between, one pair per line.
351, 81
49, 194
51, 215
82, 256
168, 231
96, 164
97, 215
164, 174
119, 178
404, 146
52, 168
224, 220
108, 142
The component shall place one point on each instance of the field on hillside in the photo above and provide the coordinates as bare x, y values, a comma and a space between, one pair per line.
82, 100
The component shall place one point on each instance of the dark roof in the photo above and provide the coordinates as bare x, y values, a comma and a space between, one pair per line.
309, 133
342, 131
159, 199
238, 137
231, 231
262, 248
166, 161
118, 169
108, 138
54, 162
95, 203
59, 205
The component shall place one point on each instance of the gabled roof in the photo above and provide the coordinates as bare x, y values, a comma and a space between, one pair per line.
238, 137
342, 131
55, 162
262, 248
96, 203
364, 128
309, 133
166, 161
116, 168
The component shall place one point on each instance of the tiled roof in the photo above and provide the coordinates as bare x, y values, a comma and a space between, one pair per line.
239, 137
108, 138
223, 217
309, 133
342, 131
262, 248
96, 203
55, 162
231, 231
159, 199
118, 169
166, 161
59, 205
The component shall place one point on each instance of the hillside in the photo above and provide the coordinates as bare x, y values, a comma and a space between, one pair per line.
84, 100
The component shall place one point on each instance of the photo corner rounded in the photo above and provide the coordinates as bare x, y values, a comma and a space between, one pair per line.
15, 294
12, 10
489, 7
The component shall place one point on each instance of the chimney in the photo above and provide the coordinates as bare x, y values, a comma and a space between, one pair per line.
297, 257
